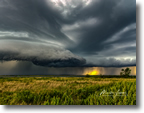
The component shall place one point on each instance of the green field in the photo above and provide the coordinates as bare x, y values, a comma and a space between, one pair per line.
68, 91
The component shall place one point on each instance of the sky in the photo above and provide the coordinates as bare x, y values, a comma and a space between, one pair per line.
68, 33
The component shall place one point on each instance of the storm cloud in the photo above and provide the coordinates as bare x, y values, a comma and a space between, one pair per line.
43, 55
69, 33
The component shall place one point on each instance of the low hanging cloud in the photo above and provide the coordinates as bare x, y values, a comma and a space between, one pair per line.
42, 55
112, 62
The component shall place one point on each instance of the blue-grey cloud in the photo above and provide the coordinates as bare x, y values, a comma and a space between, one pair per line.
77, 30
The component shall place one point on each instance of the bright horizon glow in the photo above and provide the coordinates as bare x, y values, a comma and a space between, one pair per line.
93, 73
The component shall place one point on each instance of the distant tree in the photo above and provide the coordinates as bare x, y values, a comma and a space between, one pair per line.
125, 72
87, 75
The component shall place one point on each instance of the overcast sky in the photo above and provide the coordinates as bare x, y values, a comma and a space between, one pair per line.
69, 33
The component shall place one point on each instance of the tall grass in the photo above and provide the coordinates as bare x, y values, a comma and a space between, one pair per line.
67, 91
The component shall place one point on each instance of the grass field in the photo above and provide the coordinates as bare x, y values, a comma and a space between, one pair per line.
68, 91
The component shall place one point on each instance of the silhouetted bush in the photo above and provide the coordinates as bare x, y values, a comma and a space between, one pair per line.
125, 72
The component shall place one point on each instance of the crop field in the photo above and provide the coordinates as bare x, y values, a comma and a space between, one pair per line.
68, 91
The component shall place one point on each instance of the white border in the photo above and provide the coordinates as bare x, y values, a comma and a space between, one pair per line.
103, 109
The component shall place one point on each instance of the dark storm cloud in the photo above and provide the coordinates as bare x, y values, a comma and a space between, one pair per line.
112, 62
51, 56
58, 62
27, 16
92, 29
113, 16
